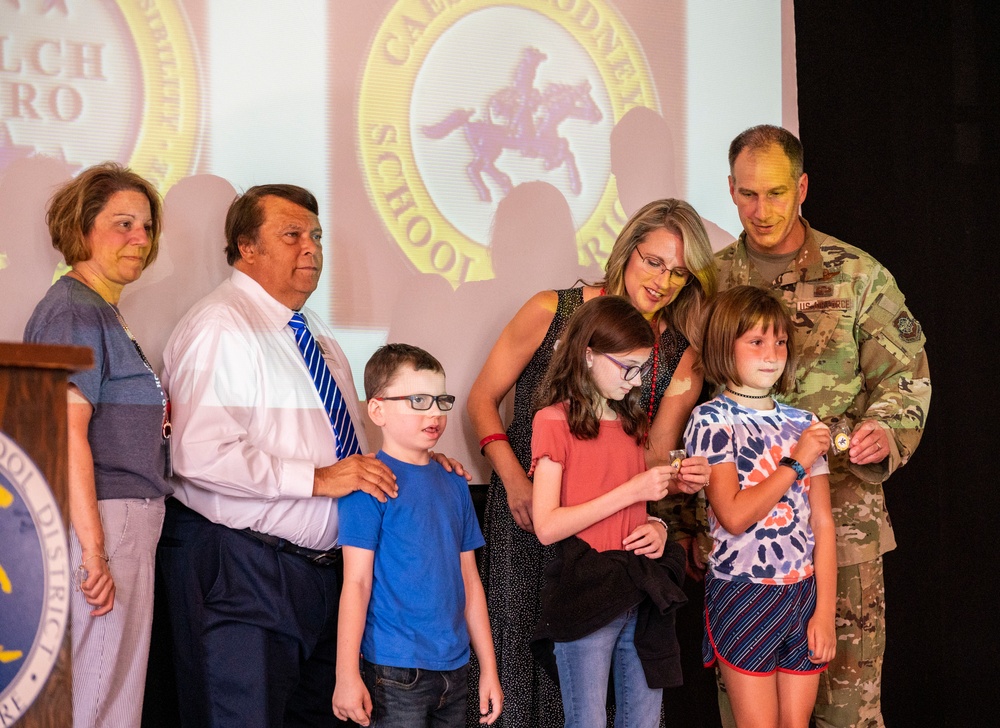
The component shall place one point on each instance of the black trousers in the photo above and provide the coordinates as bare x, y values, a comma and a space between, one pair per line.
254, 629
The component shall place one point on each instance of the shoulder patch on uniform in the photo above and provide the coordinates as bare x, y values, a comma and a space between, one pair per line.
907, 326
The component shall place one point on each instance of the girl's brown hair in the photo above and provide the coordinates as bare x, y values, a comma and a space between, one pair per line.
731, 314
607, 325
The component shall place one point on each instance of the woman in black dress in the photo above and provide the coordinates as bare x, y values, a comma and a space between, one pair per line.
662, 262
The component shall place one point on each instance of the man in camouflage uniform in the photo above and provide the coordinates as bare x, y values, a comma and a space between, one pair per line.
861, 364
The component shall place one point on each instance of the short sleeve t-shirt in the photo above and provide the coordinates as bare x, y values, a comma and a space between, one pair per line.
126, 426
416, 614
590, 469
777, 549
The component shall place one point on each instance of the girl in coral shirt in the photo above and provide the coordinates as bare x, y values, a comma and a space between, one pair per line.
590, 481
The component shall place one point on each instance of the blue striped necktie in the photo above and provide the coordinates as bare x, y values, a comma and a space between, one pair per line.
329, 392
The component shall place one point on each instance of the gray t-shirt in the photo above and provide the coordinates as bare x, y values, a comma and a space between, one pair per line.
770, 266
125, 431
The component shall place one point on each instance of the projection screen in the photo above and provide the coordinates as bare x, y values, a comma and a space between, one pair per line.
465, 153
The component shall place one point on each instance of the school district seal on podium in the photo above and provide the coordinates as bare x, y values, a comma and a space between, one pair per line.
34, 581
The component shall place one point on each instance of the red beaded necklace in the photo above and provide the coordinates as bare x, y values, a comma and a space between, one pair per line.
655, 372
652, 386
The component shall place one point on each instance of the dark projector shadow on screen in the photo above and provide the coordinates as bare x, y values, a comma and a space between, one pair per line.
30, 261
644, 163
191, 262
532, 248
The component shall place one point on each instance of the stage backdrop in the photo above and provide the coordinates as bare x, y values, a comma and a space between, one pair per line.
465, 153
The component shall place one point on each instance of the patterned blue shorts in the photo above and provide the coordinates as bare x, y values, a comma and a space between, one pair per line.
759, 628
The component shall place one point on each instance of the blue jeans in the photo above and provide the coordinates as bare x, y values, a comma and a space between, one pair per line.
584, 665
409, 697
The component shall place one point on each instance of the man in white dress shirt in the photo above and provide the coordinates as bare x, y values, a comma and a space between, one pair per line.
248, 556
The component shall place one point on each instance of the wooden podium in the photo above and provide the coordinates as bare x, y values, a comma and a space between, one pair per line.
33, 382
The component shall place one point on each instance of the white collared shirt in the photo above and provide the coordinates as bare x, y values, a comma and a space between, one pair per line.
249, 427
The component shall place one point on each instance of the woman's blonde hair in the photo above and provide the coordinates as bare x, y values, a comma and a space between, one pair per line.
686, 312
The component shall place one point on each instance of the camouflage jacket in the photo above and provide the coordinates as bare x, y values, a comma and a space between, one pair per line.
861, 356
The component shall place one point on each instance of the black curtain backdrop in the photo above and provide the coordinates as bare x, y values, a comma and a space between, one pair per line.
898, 109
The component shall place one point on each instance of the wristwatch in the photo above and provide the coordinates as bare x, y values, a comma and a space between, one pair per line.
800, 472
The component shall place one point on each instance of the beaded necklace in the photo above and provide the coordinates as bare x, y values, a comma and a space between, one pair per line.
163, 395
652, 387
748, 396
165, 427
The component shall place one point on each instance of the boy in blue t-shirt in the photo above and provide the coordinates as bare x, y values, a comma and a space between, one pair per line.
411, 600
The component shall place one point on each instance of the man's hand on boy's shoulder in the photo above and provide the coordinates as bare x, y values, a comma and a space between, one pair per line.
451, 465
357, 472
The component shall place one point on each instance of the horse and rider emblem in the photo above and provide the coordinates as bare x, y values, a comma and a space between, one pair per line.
524, 119
451, 119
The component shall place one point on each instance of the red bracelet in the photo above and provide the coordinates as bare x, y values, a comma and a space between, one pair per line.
491, 438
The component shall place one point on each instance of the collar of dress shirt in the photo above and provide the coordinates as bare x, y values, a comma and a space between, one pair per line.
276, 313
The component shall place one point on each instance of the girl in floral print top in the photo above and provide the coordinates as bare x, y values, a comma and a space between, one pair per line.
770, 591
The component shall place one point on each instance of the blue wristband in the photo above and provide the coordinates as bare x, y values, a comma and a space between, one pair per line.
800, 472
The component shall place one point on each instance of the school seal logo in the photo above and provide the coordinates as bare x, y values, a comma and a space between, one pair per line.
86, 81
34, 581
441, 146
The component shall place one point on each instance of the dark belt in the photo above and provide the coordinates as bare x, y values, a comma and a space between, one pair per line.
319, 558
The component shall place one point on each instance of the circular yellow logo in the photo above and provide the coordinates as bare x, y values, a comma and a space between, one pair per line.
443, 139
87, 82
